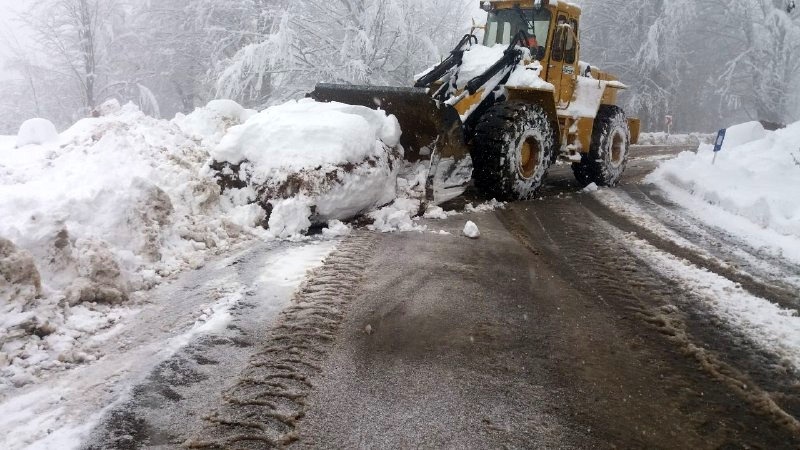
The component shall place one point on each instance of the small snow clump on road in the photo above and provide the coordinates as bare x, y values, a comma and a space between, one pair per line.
471, 230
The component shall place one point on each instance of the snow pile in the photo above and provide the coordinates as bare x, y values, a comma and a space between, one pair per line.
19, 278
210, 123
661, 138
529, 76
756, 178
588, 96
741, 134
36, 132
489, 206
399, 216
118, 203
307, 162
477, 60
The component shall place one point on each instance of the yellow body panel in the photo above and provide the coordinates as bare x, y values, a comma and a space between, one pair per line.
467, 103
634, 125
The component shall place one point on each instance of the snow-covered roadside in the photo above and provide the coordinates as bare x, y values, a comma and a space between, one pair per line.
90, 221
59, 413
751, 191
769, 326
661, 138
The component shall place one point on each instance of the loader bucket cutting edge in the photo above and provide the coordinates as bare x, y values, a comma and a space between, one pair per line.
427, 125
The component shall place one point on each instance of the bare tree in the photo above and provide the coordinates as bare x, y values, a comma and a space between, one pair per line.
73, 33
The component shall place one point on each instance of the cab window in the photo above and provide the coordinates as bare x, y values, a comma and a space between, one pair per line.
560, 39
571, 48
502, 25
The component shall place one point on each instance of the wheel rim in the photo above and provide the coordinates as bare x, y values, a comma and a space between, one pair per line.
529, 157
617, 148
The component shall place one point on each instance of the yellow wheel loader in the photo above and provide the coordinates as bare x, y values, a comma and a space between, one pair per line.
530, 104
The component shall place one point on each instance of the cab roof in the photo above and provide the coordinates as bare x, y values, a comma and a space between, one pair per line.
560, 5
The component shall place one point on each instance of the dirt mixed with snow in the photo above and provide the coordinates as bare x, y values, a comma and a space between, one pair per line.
94, 217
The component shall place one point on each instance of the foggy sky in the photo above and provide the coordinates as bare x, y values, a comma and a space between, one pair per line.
8, 10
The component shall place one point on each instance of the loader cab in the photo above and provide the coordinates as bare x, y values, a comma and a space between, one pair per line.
555, 25
503, 24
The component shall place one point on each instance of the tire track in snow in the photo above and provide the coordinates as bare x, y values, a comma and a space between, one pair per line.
597, 251
704, 247
766, 324
264, 405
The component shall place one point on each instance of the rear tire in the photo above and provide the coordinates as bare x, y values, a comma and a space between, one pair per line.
608, 155
512, 150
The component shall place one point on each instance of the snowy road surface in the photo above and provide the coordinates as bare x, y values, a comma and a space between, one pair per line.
579, 320
214, 312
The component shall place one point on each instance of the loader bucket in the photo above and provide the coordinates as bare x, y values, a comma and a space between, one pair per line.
431, 131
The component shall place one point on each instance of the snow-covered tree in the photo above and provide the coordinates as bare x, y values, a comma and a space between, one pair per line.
345, 41
652, 55
182, 41
85, 42
708, 63
761, 75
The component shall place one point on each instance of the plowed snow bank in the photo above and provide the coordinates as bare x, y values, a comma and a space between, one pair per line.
111, 207
754, 183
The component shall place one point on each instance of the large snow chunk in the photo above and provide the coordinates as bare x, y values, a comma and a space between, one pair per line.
36, 131
342, 159
306, 134
756, 179
19, 279
290, 217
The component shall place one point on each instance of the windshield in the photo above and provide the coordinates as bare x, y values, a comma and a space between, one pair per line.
504, 24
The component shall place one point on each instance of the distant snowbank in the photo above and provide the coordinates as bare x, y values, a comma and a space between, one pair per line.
755, 184
691, 139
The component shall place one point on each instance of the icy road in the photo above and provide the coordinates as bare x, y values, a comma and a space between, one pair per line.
580, 320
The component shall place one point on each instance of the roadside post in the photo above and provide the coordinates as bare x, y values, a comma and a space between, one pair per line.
718, 144
668, 123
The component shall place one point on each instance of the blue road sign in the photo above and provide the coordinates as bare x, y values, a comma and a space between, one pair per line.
720, 140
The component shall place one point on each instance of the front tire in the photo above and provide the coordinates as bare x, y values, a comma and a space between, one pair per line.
608, 155
512, 150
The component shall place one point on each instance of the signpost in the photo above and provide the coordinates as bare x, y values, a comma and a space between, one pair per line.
718, 143
668, 123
